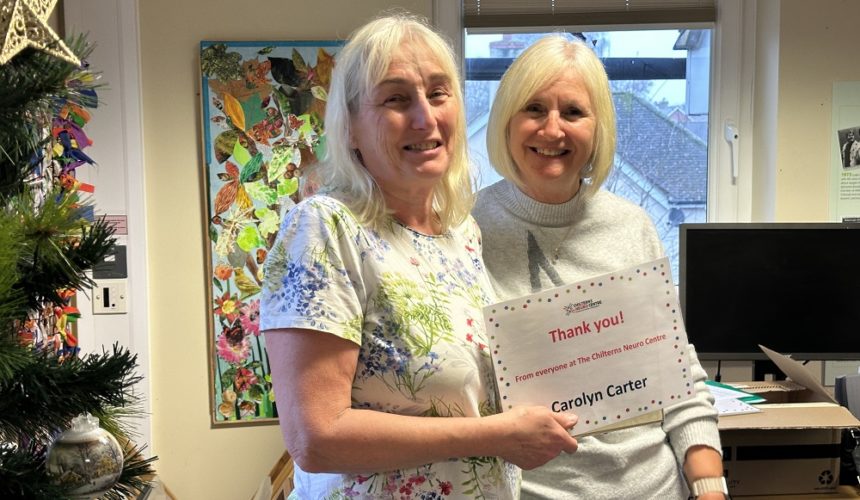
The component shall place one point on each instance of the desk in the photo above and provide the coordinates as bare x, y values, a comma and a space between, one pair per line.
841, 492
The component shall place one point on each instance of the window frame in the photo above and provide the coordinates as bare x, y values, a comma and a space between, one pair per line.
732, 82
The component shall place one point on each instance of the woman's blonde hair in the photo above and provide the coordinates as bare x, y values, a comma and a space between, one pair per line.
360, 66
538, 66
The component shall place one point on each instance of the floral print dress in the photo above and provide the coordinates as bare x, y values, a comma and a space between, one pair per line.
413, 303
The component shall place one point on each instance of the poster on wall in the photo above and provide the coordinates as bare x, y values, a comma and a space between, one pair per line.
263, 105
845, 154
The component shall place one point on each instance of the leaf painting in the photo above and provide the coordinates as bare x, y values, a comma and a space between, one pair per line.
263, 105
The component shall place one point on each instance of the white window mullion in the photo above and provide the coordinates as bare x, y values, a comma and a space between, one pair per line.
729, 197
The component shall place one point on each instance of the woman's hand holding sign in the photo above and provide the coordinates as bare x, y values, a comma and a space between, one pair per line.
535, 435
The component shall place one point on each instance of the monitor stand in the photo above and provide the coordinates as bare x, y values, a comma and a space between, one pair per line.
766, 369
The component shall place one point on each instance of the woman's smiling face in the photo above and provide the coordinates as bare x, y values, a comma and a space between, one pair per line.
551, 139
403, 127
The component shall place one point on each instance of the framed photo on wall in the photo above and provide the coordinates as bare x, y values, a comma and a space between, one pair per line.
263, 105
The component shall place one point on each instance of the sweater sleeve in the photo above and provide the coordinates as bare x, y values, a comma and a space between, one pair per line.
694, 421
650, 237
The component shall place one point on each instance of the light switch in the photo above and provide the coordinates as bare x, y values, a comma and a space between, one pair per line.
109, 297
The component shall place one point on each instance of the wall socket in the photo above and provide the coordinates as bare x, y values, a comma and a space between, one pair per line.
109, 297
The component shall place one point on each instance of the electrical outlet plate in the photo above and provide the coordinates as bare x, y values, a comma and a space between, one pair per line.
109, 297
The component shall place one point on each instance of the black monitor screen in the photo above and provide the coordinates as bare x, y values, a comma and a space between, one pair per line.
792, 287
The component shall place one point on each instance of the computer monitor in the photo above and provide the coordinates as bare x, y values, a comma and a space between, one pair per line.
792, 287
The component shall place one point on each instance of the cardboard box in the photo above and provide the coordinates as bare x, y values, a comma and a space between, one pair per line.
790, 447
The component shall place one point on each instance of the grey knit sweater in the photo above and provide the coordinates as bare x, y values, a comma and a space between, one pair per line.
592, 236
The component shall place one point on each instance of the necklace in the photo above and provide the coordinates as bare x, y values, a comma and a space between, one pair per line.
558, 245
432, 228
528, 207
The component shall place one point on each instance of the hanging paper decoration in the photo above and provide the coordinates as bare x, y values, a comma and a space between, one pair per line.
54, 175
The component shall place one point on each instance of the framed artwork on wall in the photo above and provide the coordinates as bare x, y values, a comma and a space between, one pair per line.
262, 105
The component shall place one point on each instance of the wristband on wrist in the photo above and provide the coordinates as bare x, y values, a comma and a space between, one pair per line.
709, 485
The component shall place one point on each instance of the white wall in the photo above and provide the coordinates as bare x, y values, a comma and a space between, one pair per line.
111, 26
816, 41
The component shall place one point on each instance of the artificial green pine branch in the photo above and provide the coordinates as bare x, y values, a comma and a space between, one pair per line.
23, 475
100, 384
59, 245
136, 471
33, 79
47, 393
11, 299
13, 357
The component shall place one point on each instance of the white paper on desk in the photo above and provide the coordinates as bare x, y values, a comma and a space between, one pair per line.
609, 348
726, 393
730, 406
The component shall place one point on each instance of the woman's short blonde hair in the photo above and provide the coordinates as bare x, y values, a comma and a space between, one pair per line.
538, 66
359, 67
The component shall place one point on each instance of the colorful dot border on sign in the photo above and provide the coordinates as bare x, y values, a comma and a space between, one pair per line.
641, 272
638, 273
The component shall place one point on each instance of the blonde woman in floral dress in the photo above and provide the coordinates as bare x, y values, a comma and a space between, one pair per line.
373, 298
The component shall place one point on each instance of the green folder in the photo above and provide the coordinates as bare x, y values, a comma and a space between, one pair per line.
749, 398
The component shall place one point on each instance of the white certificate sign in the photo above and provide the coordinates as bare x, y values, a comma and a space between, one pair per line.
609, 348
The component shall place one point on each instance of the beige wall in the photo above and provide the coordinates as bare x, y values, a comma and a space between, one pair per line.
817, 46
197, 462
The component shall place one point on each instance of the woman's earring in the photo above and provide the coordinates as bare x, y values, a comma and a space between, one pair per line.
585, 174
587, 171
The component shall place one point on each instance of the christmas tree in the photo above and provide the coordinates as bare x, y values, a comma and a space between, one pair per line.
48, 241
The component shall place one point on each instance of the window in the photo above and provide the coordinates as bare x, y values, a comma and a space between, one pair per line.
659, 82
672, 157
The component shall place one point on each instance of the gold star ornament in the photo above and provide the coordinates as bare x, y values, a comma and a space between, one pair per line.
24, 23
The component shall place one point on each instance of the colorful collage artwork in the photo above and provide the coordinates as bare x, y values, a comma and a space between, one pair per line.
263, 106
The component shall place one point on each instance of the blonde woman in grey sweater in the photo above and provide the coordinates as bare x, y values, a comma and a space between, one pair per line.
551, 136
